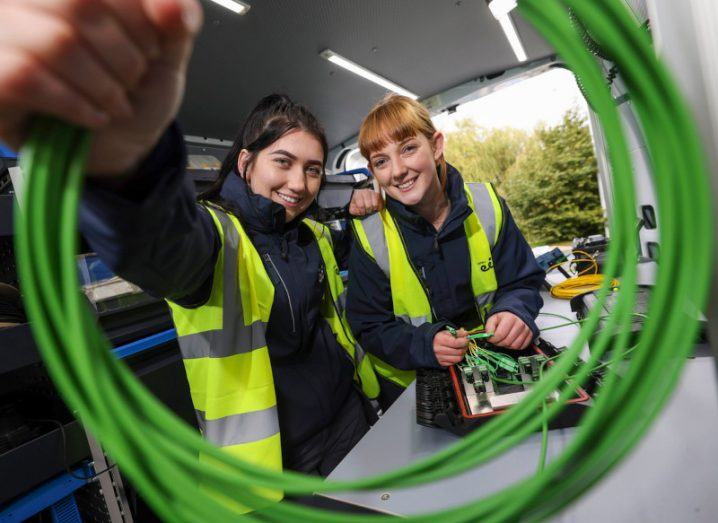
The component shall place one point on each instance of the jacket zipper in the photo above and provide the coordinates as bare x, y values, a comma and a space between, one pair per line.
289, 298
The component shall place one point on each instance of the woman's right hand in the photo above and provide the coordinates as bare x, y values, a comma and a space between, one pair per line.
117, 67
450, 350
365, 201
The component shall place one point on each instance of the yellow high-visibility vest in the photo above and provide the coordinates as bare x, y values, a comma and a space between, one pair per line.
225, 353
379, 236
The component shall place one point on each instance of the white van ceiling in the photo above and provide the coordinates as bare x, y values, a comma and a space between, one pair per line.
426, 46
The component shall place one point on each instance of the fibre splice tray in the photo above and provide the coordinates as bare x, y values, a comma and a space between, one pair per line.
463, 397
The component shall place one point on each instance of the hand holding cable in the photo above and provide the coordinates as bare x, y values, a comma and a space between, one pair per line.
509, 331
449, 348
117, 67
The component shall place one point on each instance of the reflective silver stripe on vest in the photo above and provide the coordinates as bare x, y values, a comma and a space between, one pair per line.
235, 337
374, 230
358, 354
238, 336
214, 343
342, 303
484, 206
416, 321
239, 428
323, 230
482, 300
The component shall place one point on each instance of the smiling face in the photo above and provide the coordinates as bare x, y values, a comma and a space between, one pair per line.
405, 151
288, 172
406, 169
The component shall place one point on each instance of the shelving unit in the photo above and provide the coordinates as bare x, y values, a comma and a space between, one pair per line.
41, 459
36, 464
37, 451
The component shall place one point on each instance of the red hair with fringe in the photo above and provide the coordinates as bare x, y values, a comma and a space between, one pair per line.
393, 119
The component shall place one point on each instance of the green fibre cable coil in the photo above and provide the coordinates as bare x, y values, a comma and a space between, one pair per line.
158, 452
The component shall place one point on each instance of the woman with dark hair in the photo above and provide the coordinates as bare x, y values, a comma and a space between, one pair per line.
274, 372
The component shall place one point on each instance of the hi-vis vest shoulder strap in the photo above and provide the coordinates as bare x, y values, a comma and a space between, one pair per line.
333, 310
225, 353
381, 239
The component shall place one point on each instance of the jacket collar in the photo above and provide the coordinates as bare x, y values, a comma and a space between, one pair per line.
257, 213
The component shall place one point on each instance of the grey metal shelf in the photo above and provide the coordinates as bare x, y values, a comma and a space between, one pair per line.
41, 458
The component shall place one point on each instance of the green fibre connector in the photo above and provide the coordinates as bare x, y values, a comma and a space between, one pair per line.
505, 362
480, 335
476, 336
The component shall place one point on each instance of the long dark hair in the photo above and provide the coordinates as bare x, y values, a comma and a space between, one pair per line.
273, 117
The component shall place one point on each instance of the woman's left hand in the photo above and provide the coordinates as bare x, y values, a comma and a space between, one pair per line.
365, 201
509, 331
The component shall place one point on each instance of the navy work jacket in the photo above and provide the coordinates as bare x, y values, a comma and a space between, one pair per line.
154, 234
442, 259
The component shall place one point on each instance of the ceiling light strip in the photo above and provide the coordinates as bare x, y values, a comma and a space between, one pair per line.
501, 9
235, 6
365, 73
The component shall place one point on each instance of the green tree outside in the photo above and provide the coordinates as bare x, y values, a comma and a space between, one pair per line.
548, 177
484, 155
